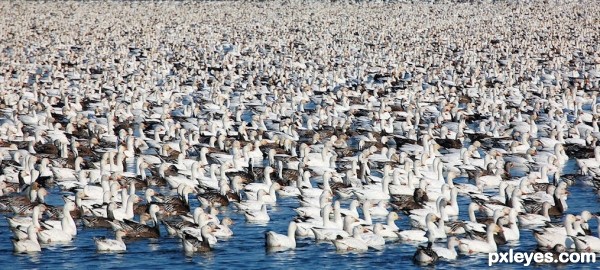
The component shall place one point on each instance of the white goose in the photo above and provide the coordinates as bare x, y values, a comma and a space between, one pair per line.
591, 162
315, 212
259, 216
30, 244
329, 231
379, 210
64, 234
550, 237
588, 243
374, 194
280, 241
418, 216
419, 235
396, 188
193, 244
270, 196
511, 233
390, 229
126, 212
267, 182
116, 244
351, 243
448, 252
471, 246
532, 220
222, 230
20, 221
374, 239
253, 205
366, 215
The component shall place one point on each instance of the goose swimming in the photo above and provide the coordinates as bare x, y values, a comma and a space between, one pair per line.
116, 244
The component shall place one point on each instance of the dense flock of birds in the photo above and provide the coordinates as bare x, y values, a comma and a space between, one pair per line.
358, 110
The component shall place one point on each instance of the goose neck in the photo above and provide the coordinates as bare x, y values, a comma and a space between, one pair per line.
569, 227
431, 227
490, 237
129, 206
154, 218
367, 215
292, 232
267, 179
68, 224
385, 185
391, 221
472, 208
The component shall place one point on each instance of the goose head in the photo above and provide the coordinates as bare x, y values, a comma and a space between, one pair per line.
392, 216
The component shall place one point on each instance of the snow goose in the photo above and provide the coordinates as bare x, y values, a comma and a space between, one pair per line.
472, 246
588, 243
63, 234
126, 212
100, 221
591, 162
24, 221
329, 230
267, 182
390, 229
417, 200
30, 244
379, 210
351, 243
260, 216
307, 189
449, 251
291, 190
352, 209
398, 189
511, 233
282, 242
192, 244
366, 206
253, 205
134, 229
117, 244
375, 238
270, 197
418, 216
223, 230
531, 219
315, 212
550, 237
472, 223
452, 209
374, 194
419, 235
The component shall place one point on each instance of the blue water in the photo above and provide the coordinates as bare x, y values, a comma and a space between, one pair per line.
245, 250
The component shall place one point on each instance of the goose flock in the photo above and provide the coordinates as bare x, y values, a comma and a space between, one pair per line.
151, 119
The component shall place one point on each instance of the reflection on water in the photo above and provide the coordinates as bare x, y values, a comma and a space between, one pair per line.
33, 257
